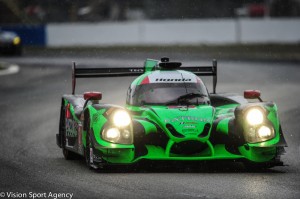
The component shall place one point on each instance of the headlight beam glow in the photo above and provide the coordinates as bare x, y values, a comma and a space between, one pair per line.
112, 133
264, 132
121, 118
255, 116
16, 40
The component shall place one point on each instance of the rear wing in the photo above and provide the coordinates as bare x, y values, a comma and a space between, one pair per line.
206, 71
121, 72
102, 72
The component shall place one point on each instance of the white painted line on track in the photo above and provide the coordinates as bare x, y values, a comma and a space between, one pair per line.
12, 69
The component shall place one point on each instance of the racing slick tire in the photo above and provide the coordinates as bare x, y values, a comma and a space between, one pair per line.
88, 151
68, 155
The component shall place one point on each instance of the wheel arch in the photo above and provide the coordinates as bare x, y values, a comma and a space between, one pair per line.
60, 136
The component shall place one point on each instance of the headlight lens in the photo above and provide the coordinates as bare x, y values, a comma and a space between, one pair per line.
16, 40
121, 118
255, 116
112, 134
260, 134
126, 134
264, 132
120, 136
119, 130
256, 126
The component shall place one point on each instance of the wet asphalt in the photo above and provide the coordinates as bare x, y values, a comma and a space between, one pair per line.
31, 162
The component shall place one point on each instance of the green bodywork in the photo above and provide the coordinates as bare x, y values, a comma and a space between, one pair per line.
196, 124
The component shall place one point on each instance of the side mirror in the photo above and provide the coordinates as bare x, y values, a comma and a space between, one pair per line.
92, 96
252, 94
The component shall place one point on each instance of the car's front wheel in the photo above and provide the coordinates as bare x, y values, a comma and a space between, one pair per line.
87, 151
69, 155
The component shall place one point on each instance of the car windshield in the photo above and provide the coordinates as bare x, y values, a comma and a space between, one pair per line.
169, 94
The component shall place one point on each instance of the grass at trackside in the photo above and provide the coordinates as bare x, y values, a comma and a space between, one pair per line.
284, 52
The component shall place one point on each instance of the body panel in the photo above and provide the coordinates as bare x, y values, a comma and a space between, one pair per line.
194, 126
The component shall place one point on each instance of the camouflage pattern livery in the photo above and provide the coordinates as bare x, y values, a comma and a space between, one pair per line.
169, 116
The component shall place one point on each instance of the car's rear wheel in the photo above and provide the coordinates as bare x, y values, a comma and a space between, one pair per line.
68, 155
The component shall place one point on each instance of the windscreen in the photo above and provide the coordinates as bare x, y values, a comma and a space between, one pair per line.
167, 93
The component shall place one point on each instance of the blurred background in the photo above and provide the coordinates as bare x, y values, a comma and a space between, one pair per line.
59, 11
256, 43
57, 23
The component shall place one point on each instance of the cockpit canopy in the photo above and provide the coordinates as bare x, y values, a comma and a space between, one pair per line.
167, 88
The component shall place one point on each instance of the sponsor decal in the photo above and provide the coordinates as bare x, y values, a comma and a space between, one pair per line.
171, 77
172, 80
71, 128
189, 126
95, 117
187, 118
189, 129
136, 70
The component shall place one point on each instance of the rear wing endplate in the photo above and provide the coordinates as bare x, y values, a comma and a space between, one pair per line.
134, 71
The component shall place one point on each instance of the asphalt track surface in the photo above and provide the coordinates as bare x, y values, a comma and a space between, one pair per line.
30, 161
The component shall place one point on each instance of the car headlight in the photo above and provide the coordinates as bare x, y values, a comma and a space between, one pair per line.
112, 134
16, 40
255, 116
121, 118
265, 132
260, 134
120, 136
253, 124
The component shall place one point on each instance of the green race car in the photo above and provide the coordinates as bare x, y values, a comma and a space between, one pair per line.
171, 117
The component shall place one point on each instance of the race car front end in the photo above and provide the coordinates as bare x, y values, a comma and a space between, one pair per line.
247, 133
111, 136
259, 133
